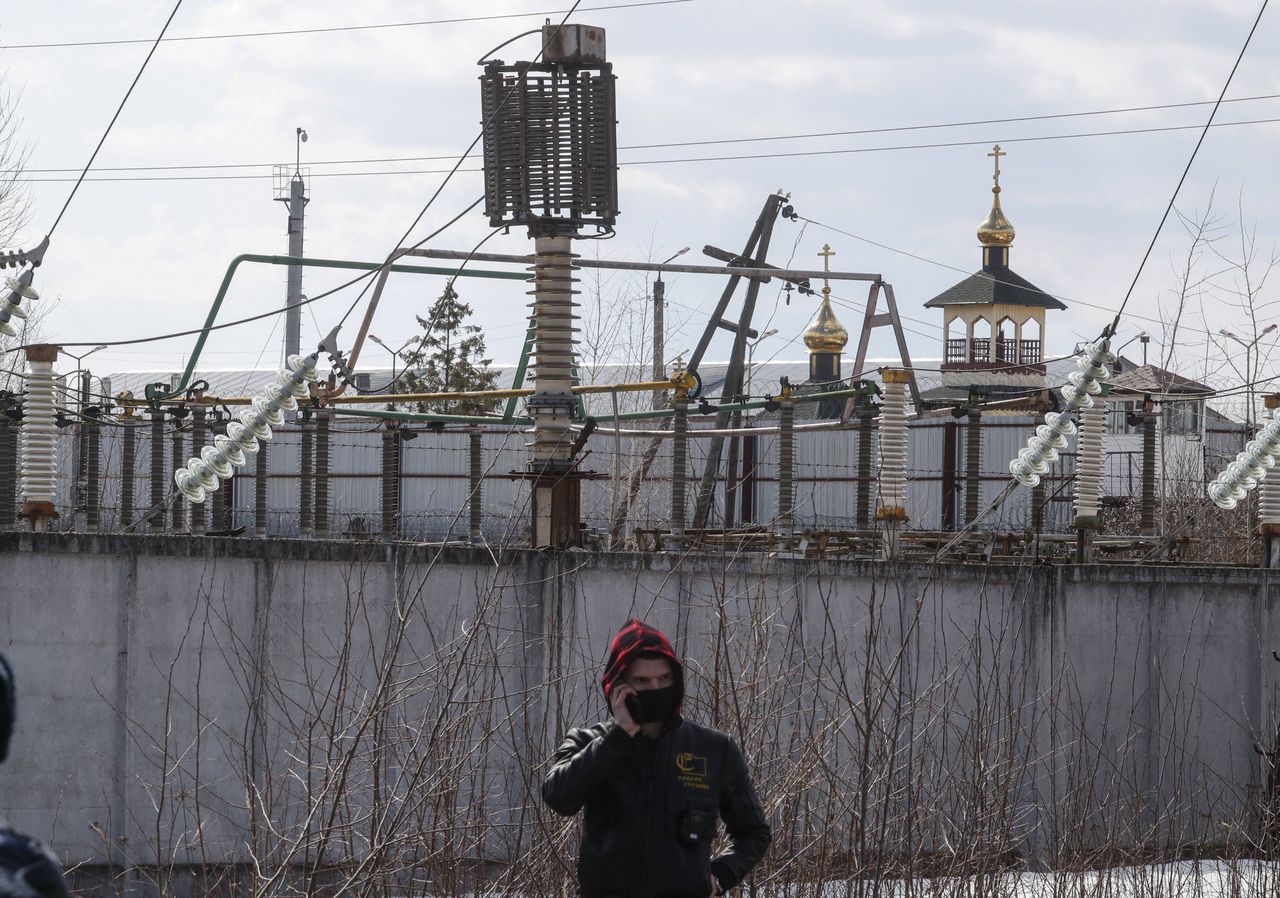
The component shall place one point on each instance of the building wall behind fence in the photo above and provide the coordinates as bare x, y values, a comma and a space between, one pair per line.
178, 694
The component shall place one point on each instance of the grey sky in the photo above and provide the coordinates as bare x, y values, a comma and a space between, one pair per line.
134, 258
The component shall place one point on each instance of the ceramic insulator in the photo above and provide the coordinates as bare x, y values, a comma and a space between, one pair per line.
1042, 448
551, 406
228, 452
893, 447
1093, 422
39, 434
1249, 468
1269, 502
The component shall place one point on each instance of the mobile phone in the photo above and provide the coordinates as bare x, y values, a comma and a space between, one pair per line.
633, 707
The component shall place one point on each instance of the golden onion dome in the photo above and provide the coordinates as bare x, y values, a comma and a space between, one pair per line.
825, 333
996, 230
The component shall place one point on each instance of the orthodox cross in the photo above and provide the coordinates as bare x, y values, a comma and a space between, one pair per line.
996, 153
827, 253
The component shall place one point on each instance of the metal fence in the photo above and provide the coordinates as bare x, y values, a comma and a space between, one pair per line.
365, 480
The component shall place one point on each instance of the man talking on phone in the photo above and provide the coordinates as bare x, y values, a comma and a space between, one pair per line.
652, 785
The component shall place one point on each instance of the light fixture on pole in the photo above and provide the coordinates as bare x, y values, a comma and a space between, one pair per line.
395, 354
659, 321
80, 358
1249, 346
751, 353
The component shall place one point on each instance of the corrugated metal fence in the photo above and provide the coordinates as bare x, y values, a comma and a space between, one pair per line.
434, 489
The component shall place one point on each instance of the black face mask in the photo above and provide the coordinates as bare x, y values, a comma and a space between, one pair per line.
653, 705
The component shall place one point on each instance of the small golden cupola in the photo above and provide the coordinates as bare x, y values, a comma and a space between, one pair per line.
825, 336
996, 232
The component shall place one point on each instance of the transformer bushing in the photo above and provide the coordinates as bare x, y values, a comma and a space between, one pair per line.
1088, 487
551, 405
550, 135
892, 507
39, 438
550, 163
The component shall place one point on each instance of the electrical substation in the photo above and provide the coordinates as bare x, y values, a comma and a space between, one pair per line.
275, 566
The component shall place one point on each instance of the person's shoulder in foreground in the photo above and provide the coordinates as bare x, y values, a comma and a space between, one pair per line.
27, 868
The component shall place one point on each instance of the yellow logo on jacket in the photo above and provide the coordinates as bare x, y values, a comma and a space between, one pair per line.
692, 771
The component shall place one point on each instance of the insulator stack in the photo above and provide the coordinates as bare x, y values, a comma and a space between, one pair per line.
39, 437
893, 446
1249, 467
204, 474
1050, 438
1089, 458
11, 304
551, 406
1269, 506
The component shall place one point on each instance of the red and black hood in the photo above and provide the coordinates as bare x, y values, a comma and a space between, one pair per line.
635, 639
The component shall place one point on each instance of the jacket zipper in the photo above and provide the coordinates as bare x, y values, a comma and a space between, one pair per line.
648, 824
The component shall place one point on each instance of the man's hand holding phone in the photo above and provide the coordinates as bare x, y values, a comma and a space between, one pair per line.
621, 711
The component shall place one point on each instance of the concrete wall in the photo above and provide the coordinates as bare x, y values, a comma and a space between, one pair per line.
188, 701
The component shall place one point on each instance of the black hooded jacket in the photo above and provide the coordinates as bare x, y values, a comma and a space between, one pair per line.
650, 806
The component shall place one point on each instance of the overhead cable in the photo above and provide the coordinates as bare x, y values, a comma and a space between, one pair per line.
694, 143
332, 29
986, 141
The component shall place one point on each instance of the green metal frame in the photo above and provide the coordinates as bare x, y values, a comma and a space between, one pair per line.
160, 391
522, 370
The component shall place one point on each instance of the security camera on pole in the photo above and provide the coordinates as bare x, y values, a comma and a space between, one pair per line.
550, 163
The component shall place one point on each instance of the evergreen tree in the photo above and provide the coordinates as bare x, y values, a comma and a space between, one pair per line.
448, 357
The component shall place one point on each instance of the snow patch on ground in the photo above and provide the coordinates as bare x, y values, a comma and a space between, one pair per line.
1187, 879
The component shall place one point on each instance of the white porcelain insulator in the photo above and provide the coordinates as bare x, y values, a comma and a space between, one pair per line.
1269, 501
39, 434
217, 462
893, 449
1089, 459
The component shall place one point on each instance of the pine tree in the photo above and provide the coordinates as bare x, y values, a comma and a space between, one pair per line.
448, 357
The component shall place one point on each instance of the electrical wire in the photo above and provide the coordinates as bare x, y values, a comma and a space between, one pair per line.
431, 323
956, 268
689, 143
397, 253
333, 29
1173, 198
689, 159
399, 250
261, 315
128, 93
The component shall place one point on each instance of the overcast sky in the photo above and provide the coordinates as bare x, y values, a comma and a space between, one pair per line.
144, 253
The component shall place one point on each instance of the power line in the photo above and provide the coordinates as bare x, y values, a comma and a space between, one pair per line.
112, 123
949, 267
330, 30
688, 143
727, 158
399, 251
1169, 208
226, 324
